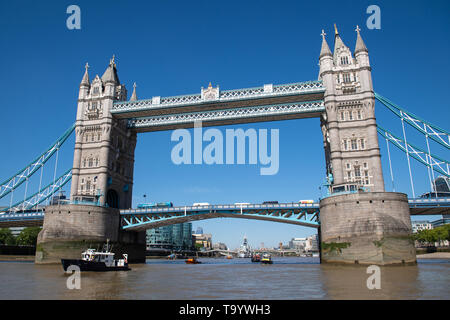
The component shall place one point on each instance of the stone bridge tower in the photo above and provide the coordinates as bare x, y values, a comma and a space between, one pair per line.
104, 148
359, 222
349, 125
102, 179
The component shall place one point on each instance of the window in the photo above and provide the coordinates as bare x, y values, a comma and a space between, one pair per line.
344, 60
346, 77
345, 144
84, 163
348, 165
349, 174
357, 171
96, 90
342, 116
366, 173
365, 165
90, 162
354, 144
362, 144
350, 115
359, 115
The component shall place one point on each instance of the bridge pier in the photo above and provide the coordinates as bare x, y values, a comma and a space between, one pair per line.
366, 228
68, 230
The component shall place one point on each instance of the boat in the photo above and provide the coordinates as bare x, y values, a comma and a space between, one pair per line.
171, 256
244, 250
229, 256
93, 260
266, 259
192, 261
256, 257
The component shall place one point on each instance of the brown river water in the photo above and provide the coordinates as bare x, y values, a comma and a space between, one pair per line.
218, 278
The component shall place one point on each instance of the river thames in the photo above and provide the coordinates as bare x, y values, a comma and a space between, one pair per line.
218, 278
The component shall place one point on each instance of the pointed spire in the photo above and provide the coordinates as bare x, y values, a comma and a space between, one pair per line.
360, 45
134, 95
110, 74
85, 80
337, 39
325, 50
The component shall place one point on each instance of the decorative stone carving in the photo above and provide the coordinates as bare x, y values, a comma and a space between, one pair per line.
210, 93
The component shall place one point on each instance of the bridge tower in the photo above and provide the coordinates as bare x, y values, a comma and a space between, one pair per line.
104, 148
351, 139
102, 178
371, 227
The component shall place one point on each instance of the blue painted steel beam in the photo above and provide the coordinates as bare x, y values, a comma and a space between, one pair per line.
293, 213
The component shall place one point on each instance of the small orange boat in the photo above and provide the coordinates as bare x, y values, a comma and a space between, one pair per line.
192, 261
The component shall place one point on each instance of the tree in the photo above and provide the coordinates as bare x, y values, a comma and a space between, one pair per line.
28, 236
426, 236
6, 237
442, 233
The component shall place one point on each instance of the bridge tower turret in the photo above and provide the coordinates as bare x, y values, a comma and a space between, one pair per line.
349, 124
104, 147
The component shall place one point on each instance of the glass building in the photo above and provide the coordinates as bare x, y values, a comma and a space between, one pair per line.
173, 237
442, 184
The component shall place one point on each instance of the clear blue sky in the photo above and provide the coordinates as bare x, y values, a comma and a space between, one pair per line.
175, 47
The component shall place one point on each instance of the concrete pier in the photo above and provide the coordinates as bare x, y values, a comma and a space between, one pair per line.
366, 228
68, 230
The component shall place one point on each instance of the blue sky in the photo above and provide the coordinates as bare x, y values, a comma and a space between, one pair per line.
175, 47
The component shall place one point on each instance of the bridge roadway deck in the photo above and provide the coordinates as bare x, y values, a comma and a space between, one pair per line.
440, 206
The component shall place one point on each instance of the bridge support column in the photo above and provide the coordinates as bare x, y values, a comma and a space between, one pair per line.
366, 228
70, 229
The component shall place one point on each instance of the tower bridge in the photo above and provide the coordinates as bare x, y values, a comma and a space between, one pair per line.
373, 224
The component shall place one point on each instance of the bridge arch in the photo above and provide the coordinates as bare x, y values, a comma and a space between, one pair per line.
112, 198
139, 220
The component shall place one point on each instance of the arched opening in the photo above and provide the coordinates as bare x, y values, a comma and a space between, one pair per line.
112, 198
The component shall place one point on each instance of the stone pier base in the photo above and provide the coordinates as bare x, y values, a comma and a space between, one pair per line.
70, 229
366, 228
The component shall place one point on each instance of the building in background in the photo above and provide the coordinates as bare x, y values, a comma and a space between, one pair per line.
220, 246
199, 230
440, 222
312, 243
421, 225
202, 241
308, 244
297, 244
441, 188
174, 237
